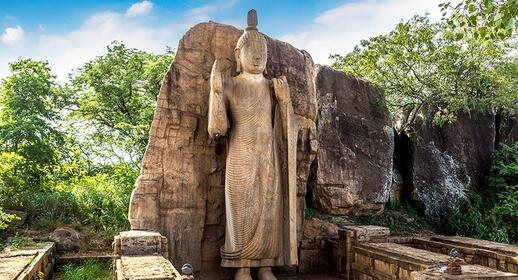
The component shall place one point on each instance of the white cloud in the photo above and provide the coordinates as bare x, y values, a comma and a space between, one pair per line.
71, 50
339, 29
12, 35
68, 51
202, 13
139, 9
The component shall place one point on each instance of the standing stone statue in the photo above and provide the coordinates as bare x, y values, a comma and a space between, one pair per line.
260, 192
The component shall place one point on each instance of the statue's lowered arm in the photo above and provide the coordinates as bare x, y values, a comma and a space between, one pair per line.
218, 120
289, 131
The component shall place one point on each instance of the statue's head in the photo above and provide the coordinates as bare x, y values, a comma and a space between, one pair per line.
251, 51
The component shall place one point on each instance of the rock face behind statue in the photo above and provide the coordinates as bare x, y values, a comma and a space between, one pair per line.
180, 191
443, 163
356, 144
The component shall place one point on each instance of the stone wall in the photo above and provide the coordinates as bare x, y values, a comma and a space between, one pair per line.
36, 262
503, 257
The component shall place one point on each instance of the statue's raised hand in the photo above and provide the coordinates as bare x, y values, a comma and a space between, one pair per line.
281, 89
216, 81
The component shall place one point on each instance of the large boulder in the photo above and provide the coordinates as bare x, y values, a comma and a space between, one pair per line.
356, 145
180, 191
67, 239
444, 162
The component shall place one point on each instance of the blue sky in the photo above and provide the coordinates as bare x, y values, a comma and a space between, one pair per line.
69, 33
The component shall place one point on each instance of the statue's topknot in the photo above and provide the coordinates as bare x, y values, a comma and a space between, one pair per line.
252, 20
251, 33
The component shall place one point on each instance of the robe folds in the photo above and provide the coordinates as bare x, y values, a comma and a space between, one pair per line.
260, 190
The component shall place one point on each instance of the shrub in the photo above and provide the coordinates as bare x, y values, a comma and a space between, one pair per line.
491, 212
5, 219
100, 200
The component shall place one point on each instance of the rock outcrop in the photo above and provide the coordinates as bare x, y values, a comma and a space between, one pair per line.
67, 239
180, 191
444, 162
356, 145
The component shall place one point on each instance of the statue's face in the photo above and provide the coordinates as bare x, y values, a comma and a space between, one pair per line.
253, 57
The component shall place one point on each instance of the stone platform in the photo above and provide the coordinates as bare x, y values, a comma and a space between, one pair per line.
309, 277
35, 262
396, 261
503, 257
145, 267
368, 253
468, 272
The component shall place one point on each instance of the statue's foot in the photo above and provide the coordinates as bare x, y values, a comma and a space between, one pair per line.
243, 274
265, 273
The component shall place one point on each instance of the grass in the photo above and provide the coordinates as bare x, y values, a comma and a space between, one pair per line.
21, 242
90, 270
401, 219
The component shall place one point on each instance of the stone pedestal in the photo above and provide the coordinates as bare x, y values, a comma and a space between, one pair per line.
142, 255
352, 235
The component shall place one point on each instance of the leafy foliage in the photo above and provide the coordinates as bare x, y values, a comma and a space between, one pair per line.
114, 96
422, 63
5, 219
70, 155
492, 212
486, 19
29, 133
400, 218
100, 200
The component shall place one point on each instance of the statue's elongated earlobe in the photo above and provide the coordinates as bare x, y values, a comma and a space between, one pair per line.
238, 60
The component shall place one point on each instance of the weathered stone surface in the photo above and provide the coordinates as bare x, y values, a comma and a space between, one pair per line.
35, 262
470, 272
314, 253
180, 191
145, 268
67, 239
507, 129
396, 186
135, 242
446, 161
356, 144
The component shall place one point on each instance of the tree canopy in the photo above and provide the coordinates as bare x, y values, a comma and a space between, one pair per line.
29, 118
486, 19
420, 63
114, 96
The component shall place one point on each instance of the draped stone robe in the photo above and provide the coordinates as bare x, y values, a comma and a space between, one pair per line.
257, 197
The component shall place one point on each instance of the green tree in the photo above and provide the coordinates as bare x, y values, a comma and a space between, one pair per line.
29, 120
492, 211
114, 97
486, 19
420, 63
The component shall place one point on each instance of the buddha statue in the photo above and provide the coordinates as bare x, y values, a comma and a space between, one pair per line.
256, 116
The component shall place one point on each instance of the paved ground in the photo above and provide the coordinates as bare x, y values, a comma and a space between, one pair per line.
301, 277
310, 277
